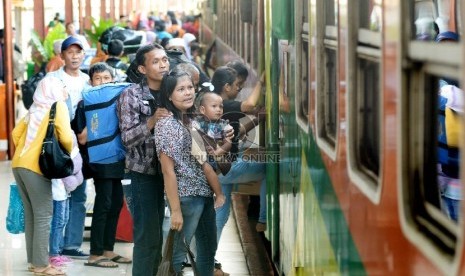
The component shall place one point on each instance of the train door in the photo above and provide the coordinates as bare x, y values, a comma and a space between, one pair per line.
289, 173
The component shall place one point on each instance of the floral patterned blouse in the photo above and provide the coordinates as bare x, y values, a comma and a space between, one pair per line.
174, 140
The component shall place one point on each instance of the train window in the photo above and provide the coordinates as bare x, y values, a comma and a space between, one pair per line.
431, 130
364, 94
327, 60
330, 97
303, 88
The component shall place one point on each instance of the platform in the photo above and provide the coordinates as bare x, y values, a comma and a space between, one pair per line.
230, 254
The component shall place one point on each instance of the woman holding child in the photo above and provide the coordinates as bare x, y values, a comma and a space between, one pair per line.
189, 194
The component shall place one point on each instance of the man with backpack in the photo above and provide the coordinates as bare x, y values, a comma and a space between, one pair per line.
138, 109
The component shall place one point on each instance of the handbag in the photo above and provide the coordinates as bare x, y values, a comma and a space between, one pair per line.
166, 267
54, 161
15, 215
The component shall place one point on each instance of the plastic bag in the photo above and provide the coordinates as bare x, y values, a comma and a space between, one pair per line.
15, 215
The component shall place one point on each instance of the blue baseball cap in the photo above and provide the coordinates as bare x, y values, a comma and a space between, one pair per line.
71, 40
447, 35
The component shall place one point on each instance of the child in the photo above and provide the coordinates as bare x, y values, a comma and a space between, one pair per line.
60, 191
108, 189
115, 52
213, 130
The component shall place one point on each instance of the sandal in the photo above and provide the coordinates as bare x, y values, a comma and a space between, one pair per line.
121, 260
49, 270
103, 262
30, 268
219, 272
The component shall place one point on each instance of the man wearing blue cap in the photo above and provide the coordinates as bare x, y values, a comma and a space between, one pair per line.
75, 81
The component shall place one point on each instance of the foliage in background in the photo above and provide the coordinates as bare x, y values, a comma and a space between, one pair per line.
97, 29
55, 33
39, 54
43, 50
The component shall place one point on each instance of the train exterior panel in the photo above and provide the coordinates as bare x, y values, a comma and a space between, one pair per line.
348, 113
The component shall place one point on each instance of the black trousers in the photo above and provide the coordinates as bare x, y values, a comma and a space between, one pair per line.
107, 206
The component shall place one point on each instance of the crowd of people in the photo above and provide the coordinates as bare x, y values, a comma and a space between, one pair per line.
182, 134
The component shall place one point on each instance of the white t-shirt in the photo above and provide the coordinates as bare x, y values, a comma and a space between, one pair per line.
74, 86
58, 190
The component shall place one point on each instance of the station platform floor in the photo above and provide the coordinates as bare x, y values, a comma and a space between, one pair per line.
238, 258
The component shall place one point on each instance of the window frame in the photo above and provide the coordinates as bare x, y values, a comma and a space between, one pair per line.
423, 228
365, 45
302, 81
327, 39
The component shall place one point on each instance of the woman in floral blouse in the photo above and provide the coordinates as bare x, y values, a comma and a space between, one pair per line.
189, 195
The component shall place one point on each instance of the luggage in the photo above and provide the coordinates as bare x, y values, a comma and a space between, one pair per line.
103, 135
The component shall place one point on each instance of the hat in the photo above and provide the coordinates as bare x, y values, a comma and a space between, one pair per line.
175, 43
71, 40
188, 38
57, 46
447, 35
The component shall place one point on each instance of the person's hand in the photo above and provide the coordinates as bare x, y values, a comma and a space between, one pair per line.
176, 220
261, 113
219, 200
263, 78
228, 133
161, 113
210, 150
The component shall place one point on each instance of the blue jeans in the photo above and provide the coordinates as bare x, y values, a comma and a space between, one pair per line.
77, 214
452, 207
241, 172
59, 220
144, 197
198, 216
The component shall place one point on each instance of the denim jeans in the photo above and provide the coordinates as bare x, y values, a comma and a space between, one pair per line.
452, 207
77, 214
107, 207
241, 172
144, 197
198, 216
57, 232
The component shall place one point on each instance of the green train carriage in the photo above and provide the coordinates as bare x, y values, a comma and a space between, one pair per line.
351, 100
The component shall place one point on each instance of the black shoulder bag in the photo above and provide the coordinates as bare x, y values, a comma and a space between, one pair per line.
54, 161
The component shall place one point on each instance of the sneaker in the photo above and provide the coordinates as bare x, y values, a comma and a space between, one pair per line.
56, 261
75, 253
66, 259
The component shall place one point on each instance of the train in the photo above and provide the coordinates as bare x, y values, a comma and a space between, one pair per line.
351, 102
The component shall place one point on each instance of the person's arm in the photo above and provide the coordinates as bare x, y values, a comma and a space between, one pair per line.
63, 127
171, 188
248, 126
82, 137
133, 130
18, 131
249, 104
160, 113
212, 179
